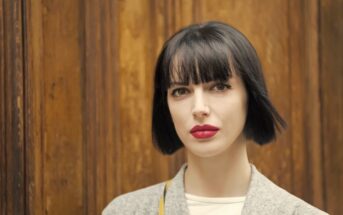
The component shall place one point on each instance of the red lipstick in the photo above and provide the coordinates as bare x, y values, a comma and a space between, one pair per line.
204, 131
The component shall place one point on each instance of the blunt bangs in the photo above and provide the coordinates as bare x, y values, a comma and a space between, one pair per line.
201, 53
197, 60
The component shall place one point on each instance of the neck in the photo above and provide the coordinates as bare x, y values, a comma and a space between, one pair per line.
224, 175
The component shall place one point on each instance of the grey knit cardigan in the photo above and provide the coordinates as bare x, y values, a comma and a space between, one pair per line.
263, 197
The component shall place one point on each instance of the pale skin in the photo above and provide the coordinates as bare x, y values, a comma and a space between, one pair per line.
217, 166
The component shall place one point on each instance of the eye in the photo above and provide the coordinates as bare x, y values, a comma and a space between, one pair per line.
179, 92
220, 87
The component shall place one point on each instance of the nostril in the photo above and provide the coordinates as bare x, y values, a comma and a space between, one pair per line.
201, 113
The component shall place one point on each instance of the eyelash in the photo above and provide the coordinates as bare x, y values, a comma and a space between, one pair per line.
227, 86
184, 89
175, 91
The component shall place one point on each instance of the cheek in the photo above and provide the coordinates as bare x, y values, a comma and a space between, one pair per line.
180, 113
177, 112
234, 112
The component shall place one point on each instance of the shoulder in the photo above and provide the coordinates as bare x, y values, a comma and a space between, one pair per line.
277, 200
139, 201
287, 201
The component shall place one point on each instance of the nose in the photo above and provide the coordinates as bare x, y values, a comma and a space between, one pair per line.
200, 109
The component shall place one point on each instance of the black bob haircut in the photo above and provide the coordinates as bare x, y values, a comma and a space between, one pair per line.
207, 52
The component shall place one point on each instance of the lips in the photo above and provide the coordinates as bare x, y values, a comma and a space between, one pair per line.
204, 131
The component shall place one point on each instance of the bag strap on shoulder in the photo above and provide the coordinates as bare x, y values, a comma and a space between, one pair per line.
162, 199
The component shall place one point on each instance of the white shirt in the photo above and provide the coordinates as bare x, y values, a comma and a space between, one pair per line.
199, 205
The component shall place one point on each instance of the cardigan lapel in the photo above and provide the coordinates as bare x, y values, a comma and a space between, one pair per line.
258, 188
175, 202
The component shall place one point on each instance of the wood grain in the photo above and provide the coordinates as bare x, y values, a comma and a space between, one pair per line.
76, 97
34, 118
306, 125
136, 51
12, 109
331, 88
101, 110
3, 169
62, 128
55, 174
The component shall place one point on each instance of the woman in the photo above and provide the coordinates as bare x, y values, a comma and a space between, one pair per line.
210, 97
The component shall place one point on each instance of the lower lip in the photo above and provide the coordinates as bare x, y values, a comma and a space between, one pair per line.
203, 134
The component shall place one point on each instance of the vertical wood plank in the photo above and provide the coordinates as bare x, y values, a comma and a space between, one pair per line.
101, 102
136, 68
62, 124
93, 102
34, 93
298, 89
133, 134
3, 169
12, 100
331, 87
54, 123
304, 71
312, 100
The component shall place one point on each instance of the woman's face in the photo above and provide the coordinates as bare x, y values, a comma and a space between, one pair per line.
209, 117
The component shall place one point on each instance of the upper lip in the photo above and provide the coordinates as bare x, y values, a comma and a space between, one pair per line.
204, 128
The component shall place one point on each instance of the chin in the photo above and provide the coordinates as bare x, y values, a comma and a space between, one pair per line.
207, 152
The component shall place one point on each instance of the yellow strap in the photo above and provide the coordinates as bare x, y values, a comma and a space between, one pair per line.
162, 199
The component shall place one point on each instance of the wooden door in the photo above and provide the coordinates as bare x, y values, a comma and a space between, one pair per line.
76, 90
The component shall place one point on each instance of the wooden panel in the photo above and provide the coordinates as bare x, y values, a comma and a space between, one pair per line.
3, 169
331, 79
62, 139
304, 71
76, 92
34, 117
101, 106
12, 164
298, 89
55, 184
311, 104
133, 108
136, 51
